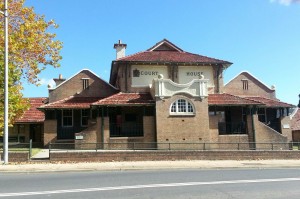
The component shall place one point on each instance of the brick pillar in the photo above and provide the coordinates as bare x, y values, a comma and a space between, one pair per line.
106, 133
50, 131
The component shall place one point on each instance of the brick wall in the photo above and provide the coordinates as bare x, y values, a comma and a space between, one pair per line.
105, 156
97, 87
286, 131
241, 139
182, 128
133, 142
17, 156
50, 131
255, 88
296, 136
89, 136
263, 133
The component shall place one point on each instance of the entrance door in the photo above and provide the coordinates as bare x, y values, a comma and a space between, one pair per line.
32, 132
35, 132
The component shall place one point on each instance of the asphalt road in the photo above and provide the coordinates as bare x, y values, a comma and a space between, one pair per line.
175, 184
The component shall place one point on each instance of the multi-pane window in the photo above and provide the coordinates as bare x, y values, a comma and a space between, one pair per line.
67, 118
84, 117
182, 107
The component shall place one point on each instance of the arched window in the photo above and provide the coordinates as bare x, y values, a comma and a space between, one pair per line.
182, 107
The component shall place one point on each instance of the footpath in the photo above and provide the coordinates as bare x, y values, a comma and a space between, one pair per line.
146, 165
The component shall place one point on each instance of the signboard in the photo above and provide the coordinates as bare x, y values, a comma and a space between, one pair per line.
142, 76
187, 73
79, 137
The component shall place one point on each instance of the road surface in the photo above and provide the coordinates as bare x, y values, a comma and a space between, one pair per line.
174, 184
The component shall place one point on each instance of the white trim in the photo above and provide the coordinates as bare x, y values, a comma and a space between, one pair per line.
294, 113
139, 86
248, 80
85, 78
165, 42
186, 108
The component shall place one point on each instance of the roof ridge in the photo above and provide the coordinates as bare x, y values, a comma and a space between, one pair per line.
158, 44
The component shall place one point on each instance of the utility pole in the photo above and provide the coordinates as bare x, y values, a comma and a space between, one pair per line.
5, 130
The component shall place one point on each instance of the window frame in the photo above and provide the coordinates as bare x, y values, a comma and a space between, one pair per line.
63, 116
84, 116
178, 107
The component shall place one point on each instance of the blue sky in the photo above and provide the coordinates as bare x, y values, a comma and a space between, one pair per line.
258, 36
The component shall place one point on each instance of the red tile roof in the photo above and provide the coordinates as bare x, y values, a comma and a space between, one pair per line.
165, 51
72, 103
296, 121
270, 102
227, 99
127, 99
33, 115
171, 56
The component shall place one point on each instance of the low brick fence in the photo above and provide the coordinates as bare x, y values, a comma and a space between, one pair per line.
108, 156
17, 156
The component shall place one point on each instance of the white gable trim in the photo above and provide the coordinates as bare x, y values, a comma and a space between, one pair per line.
251, 76
165, 42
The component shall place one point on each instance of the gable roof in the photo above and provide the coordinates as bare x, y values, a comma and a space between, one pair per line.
81, 72
127, 99
270, 102
252, 76
33, 115
165, 51
72, 102
167, 46
228, 99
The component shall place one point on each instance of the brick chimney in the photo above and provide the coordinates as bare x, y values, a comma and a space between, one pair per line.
59, 80
120, 49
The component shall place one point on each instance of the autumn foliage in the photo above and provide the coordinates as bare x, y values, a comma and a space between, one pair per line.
32, 47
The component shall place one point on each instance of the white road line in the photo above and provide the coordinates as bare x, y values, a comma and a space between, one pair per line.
147, 186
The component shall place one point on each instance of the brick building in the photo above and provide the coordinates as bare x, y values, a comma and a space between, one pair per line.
164, 95
30, 125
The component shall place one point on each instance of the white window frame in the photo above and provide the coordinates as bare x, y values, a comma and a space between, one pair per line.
62, 118
81, 117
177, 108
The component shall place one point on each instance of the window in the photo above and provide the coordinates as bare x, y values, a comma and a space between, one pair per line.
85, 83
182, 107
261, 112
245, 84
67, 117
84, 117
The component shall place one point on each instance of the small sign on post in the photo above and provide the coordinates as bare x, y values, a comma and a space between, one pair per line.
79, 137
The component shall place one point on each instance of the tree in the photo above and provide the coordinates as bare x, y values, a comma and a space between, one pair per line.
32, 47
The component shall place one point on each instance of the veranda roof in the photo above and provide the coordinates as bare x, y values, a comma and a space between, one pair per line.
127, 99
33, 115
229, 100
72, 102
